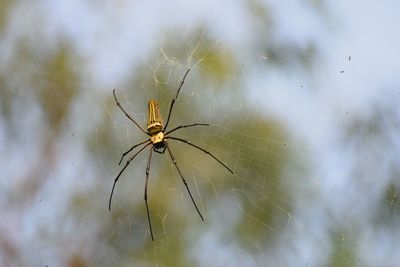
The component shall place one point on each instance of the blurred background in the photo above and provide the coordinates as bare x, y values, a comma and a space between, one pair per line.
302, 98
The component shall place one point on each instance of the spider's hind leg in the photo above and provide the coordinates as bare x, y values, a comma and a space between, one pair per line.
183, 180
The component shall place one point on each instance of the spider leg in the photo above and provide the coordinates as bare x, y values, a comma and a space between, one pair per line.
145, 192
175, 97
126, 114
134, 146
183, 180
119, 174
202, 149
186, 126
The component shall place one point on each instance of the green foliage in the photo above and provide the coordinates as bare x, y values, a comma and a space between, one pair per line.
262, 154
389, 213
4, 8
343, 254
59, 89
217, 63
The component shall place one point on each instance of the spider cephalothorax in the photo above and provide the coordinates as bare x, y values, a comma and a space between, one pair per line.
158, 139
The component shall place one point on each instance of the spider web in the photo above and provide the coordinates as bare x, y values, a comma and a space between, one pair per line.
250, 206
302, 106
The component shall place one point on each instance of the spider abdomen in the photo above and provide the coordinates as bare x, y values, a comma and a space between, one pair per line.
154, 121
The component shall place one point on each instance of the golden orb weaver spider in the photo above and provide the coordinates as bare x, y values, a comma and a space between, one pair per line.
158, 139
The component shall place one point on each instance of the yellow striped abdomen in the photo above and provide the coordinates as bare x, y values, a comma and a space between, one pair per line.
154, 120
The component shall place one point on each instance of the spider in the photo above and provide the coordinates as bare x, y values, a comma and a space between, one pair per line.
158, 143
